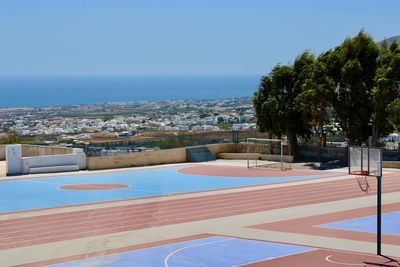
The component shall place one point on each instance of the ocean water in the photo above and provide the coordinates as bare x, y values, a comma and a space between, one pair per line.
55, 91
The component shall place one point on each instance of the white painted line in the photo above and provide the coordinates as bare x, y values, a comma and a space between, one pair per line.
327, 258
191, 246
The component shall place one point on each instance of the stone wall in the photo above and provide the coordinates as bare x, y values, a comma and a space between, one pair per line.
34, 150
176, 155
166, 156
391, 164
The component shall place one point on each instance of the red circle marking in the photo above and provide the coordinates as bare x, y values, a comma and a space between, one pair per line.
93, 186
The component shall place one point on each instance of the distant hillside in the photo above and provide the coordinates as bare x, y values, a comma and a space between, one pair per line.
391, 39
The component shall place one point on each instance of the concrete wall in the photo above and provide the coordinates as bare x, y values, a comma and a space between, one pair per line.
176, 155
222, 148
29, 163
391, 164
18, 164
34, 150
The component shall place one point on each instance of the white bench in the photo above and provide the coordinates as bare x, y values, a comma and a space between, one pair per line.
49, 169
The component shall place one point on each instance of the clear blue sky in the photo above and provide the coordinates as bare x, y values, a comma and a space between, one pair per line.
173, 37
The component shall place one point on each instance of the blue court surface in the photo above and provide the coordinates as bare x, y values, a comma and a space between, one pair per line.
390, 224
38, 193
205, 252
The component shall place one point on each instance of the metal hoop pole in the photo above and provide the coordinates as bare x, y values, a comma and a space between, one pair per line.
248, 156
379, 216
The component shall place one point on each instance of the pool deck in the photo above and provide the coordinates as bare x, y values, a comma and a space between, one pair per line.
282, 212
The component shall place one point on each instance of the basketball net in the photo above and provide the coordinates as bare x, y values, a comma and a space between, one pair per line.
362, 180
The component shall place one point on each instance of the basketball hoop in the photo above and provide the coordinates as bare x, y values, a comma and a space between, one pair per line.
362, 180
364, 162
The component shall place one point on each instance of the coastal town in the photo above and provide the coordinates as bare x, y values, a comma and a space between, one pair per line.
82, 123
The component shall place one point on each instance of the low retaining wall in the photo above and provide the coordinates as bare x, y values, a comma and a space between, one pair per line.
391, 164
176, 155
166, 156
34, 150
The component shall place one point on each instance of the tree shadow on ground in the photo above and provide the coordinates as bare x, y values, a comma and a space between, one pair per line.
334, 164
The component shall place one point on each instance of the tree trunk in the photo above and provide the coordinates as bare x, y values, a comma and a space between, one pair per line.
374, 139
319, 148
270, 144
292, 143
320, 137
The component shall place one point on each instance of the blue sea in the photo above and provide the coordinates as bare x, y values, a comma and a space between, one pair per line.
57, 91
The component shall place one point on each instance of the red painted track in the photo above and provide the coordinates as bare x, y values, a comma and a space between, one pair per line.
309, 225
71, 225
234, 171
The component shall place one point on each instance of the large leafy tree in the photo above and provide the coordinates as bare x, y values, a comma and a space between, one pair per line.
386, 90
315, 98
352, 66
276, 108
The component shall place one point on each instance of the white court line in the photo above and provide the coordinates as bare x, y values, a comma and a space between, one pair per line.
191, 246
342, 263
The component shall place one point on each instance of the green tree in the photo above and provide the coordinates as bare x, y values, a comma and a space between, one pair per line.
315, 98
394, 113
352, 66
10, 138
386, 89
275, 106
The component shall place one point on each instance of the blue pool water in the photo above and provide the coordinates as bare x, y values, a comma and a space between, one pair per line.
212, 251
390, 224
38, 193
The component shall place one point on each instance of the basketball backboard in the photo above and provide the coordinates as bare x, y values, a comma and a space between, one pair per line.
365, 161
